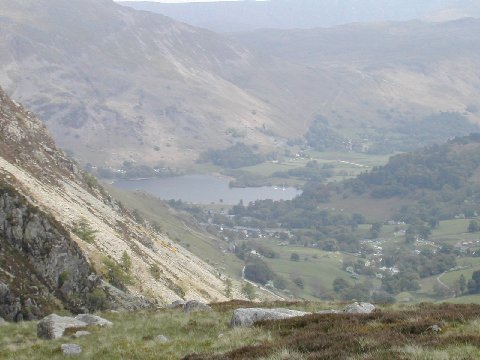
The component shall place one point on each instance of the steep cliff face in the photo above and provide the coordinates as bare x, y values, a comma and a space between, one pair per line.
39, 262
47, 206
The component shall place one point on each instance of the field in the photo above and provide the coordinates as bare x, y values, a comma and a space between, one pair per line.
346, 165
318, 268
389, 332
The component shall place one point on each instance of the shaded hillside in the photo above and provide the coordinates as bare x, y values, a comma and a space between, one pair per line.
114, 84
74, 239
387, 77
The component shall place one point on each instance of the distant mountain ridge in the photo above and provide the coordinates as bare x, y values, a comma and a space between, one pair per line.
293, 14
117, 85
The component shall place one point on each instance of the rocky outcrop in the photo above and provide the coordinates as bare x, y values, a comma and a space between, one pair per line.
177, 303
249, 316
93, 320
359, 308
71, 349
81, 333
40, 262
123, 301
10, 305
194, 305
53, 326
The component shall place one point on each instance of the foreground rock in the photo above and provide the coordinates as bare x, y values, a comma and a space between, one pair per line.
93, 320
249, 316
194, 305
161, 339
177, 303
54, 326
2, 321
323, 312
359, 308
71, 349
81, 333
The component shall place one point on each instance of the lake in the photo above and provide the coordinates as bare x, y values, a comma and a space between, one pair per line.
205, 189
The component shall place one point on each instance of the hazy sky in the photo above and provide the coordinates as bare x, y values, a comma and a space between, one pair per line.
180, 1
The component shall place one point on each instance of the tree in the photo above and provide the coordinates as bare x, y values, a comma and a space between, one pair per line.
228, 288
474, 284
462, 284
126, 263
295, 257
440, 291
473, 226
84, 231
249, 291
340, 285
280, 283
410, 235
375, 230
116, 275
258, 271
299, 282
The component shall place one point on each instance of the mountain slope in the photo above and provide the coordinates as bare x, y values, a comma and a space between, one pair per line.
114, 84
385, 76
43, 199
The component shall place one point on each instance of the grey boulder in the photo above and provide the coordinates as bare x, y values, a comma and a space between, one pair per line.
249, 316
323, 312
359, 308
93, 320
71, 349
161, 339
81, 333
177, 303
194, 305
53, 326
2, 321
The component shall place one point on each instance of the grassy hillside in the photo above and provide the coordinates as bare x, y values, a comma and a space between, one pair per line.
183, 229
388, 332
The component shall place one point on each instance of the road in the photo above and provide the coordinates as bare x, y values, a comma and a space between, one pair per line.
259, 286
442, 283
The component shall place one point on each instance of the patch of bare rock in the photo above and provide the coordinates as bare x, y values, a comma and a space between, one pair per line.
54, 326
71, 349
244, 317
